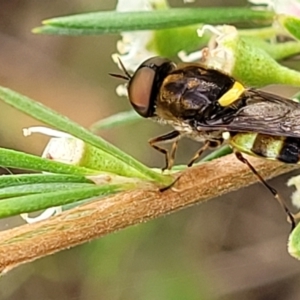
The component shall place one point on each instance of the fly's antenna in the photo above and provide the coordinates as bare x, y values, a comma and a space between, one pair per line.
126, 75
124, 69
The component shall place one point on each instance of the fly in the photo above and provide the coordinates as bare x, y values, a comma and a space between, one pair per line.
209, 106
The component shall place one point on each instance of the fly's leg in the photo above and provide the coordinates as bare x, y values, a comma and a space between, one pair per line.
198, 153
208, 144
174, 137
291, 218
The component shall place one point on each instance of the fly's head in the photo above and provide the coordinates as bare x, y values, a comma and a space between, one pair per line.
144, 85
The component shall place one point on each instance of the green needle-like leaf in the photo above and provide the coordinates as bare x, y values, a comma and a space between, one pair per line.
15, 159
222, 151
219, 152
116, 22
24, 179
129, 167
23, 204
291, 24
29, 189
122, 118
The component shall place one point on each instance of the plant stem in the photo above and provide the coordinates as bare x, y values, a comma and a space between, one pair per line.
89, 221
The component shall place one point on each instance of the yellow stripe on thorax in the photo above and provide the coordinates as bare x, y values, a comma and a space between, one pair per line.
232, 94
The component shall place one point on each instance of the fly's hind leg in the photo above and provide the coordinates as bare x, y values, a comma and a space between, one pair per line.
173, 137
290, 216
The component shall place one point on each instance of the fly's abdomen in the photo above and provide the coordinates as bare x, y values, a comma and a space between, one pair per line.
285, 149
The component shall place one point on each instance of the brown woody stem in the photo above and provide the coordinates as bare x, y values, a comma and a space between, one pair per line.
98, 218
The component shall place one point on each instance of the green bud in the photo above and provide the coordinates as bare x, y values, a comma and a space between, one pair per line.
245, 61
71, 150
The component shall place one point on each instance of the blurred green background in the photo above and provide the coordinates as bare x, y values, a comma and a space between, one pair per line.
233, 247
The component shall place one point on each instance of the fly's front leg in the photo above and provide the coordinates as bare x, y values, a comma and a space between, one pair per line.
290, 216
173, 137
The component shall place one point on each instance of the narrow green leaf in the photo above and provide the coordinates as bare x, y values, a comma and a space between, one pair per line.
15, 159
130, 166
291, 24
29, 189
122, 118
15, 180
219, 152
278, 51
31, 203
116, 22
263, 33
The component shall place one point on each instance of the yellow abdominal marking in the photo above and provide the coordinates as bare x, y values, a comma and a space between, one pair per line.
232, 95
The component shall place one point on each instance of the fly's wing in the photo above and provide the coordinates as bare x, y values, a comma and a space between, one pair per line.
262, 112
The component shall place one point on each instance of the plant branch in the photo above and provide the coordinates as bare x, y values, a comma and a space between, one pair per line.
98, 218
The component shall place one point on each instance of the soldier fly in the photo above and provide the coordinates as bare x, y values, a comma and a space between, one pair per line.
209, 106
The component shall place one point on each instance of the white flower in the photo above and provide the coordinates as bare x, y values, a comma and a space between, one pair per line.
220, 53
52, 211
132, 47
287, 7
133, 5
62, 147
296, 195
190, 57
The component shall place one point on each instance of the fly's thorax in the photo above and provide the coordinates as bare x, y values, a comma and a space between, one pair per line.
168, 102
193, 92
178, 98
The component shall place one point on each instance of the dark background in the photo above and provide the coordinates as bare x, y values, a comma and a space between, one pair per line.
231, 248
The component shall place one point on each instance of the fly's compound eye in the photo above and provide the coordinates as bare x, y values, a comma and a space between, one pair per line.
143, 87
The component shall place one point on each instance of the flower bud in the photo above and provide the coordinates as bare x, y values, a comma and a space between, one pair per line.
251, 65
